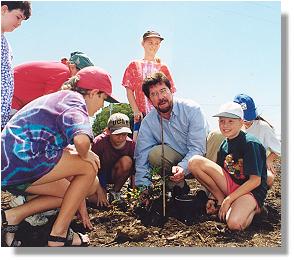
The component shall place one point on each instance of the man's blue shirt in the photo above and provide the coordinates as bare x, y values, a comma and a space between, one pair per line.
185, 132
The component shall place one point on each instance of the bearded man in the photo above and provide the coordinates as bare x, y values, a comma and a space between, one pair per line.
184, 128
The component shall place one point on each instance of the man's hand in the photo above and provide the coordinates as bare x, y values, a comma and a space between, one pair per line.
178, 174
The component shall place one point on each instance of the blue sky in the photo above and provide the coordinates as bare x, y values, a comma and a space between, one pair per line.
214, 50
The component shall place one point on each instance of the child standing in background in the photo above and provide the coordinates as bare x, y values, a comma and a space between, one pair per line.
12, 15
137, 71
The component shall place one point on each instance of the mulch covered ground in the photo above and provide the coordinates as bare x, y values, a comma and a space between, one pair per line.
120, 228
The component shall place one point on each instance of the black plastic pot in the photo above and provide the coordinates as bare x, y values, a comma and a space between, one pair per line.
185, 210
189, 208
153, 214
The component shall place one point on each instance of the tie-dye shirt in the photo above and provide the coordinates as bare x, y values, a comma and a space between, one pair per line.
7, 84
33, 140
134, 76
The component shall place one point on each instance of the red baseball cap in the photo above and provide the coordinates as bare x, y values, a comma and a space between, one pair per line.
96, 78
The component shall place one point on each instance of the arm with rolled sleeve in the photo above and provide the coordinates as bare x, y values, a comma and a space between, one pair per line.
146, 140
196, 138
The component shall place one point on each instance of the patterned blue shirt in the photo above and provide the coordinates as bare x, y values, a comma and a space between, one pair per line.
33, 140
185, 132
7, 84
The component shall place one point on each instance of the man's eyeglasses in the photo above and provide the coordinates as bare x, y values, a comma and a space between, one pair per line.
163, 92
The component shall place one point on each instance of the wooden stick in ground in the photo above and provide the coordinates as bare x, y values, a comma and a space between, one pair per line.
162, 167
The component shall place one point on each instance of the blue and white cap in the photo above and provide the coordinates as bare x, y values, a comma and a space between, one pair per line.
248, 106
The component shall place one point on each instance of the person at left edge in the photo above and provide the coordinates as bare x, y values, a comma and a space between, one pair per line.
36, 160
12, 15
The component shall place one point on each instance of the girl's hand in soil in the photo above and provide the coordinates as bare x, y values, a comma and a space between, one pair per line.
84, 216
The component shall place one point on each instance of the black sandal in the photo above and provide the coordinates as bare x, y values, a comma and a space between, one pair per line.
68, 239
5, 228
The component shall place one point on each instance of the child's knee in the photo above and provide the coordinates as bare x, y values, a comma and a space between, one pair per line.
89, 170
195, 163
125, 164
235, 224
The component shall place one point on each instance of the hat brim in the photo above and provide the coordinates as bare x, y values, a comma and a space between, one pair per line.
121, 131
227, 115
111, 99
154, 36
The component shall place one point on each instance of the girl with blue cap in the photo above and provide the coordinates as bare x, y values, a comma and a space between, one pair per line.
263, 130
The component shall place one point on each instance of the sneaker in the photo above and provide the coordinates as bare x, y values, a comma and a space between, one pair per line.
115, 196
37, 220
117, 199
17, 201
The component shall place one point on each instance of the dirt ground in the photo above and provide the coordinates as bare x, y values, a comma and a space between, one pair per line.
120, 228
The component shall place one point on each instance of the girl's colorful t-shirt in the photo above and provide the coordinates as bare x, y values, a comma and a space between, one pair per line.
134, 76
33, 140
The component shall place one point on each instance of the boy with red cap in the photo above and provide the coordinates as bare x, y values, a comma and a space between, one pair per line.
35, 159
238, 179
137, 71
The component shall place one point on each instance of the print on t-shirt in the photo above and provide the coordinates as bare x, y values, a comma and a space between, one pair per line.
233, 168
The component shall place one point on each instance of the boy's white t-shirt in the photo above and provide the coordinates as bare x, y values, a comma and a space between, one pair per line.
266, 135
